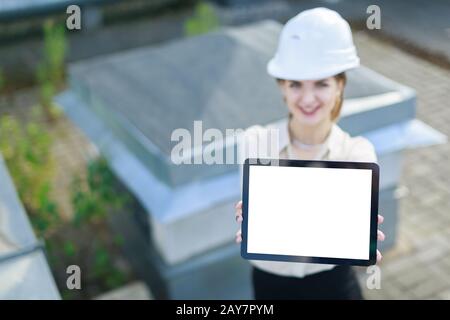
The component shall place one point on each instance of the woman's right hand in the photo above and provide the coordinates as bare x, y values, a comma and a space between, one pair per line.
238, 216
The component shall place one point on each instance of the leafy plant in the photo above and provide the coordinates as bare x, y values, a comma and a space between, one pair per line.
55, 47
105, 269
46, 93
204, 20
51, 71
70, 248
94, 198
27, 152
119, 240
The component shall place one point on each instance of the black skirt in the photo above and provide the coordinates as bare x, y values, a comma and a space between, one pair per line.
339, 283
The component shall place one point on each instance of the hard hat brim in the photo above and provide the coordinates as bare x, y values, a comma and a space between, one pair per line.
276, 71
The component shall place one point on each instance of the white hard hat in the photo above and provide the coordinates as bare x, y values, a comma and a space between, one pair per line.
315, 44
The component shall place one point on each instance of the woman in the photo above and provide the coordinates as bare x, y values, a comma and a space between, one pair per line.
315, 49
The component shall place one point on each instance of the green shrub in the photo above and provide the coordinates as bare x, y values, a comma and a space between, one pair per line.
55, 47
94, 198
204, 20
105, 269
27, 152
50, 72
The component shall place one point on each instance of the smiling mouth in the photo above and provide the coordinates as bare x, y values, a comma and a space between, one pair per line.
309, 112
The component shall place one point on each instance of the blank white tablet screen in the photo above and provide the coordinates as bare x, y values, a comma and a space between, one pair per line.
308, 211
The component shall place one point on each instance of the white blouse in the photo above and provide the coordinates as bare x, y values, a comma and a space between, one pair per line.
339, 146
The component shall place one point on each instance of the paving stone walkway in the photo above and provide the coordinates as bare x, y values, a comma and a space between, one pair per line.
419, 266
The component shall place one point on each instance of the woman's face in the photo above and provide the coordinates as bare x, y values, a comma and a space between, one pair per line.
311, 101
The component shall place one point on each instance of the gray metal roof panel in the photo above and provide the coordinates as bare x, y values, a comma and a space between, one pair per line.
221, 85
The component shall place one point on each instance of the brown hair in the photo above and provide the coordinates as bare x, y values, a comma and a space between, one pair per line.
341, 77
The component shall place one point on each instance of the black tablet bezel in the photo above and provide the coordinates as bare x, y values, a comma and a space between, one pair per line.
320, 164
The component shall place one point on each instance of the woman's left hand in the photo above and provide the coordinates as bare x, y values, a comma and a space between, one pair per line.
380, 237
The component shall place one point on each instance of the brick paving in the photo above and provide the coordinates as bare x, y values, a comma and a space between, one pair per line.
419, 266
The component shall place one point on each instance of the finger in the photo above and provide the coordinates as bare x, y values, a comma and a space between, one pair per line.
380, 219
238, 215
239, 236
239, 204
380, 235
379, 256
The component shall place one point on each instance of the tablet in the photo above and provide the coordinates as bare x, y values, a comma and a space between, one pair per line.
310, 211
